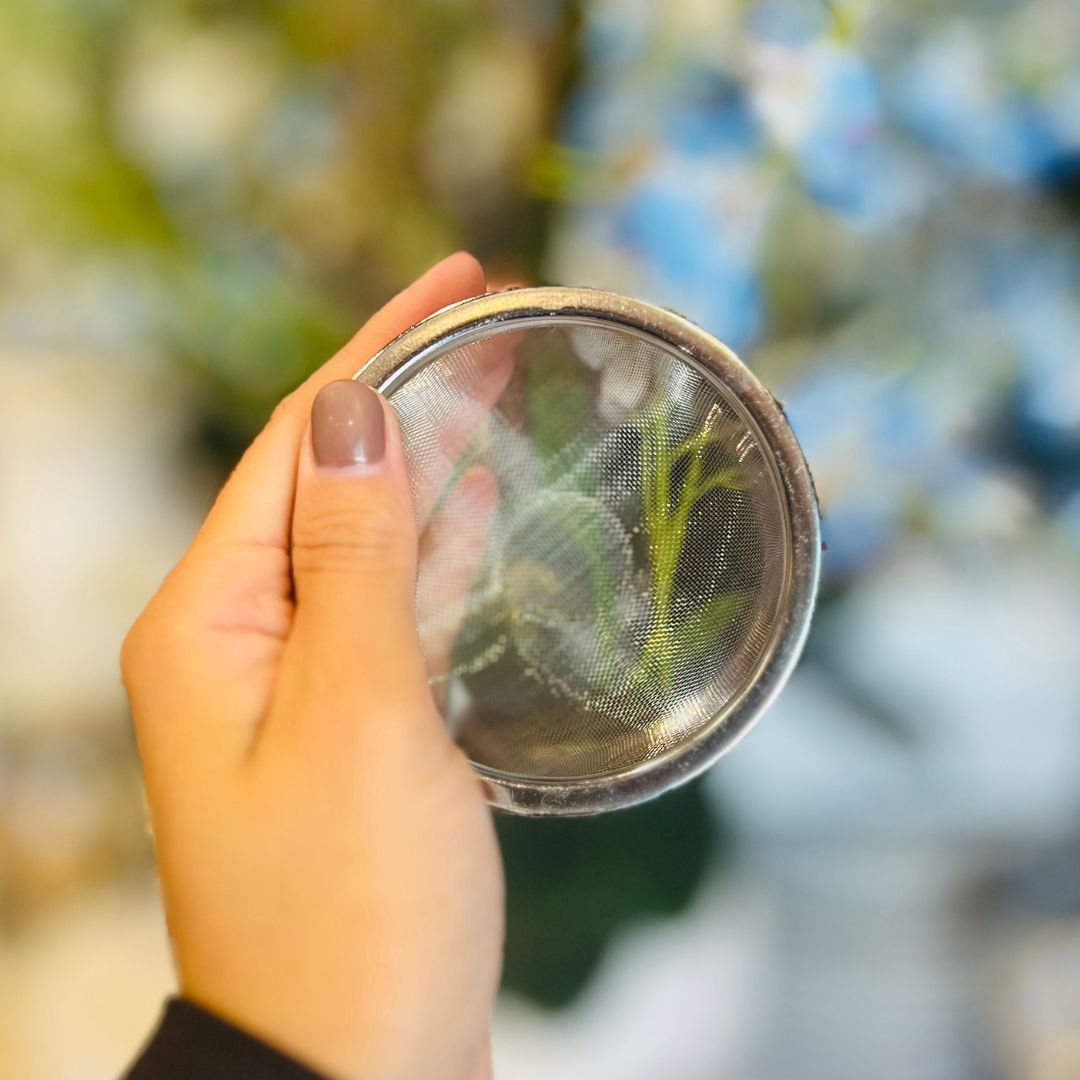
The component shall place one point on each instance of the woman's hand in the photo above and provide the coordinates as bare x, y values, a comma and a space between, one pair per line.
330, 873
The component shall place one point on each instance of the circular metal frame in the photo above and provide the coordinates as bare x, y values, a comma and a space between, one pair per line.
454, 325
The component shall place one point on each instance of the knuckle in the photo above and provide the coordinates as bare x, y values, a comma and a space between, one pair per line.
142, 647
130, 650
352, 539
149, 640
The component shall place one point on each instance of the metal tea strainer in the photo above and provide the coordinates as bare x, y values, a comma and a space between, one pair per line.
619, 547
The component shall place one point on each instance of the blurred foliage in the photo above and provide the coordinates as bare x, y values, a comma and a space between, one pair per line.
573, 883
269, 173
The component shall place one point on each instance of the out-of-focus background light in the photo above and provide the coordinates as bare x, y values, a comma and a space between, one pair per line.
877, 204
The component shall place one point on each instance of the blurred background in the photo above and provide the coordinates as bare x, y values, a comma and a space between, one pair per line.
877, 204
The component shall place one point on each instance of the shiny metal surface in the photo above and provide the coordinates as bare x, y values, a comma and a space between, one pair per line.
542, 737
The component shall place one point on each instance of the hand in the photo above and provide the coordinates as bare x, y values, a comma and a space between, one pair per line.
330, 873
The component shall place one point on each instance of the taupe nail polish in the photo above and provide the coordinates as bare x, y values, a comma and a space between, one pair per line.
347, 425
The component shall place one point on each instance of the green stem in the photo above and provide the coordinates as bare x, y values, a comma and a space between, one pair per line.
667, 530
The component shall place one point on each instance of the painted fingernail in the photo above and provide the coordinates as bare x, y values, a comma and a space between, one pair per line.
347, 425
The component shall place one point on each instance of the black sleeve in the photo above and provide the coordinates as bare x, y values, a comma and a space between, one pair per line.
192, 1044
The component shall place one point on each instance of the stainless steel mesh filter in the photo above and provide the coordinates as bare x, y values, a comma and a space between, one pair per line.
619, 543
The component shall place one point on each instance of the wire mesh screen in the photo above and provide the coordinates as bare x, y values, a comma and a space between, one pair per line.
603, 545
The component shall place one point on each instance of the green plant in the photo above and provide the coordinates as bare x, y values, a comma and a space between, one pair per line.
674, 478
666, 509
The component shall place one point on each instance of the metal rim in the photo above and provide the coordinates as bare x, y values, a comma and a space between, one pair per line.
406, 354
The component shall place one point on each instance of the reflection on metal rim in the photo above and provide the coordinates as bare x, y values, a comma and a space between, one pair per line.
457, 324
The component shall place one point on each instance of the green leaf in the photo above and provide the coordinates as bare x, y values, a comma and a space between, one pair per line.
557, 400
698, 633
574, 884
731, 478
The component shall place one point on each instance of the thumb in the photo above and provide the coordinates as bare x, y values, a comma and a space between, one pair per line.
354, 645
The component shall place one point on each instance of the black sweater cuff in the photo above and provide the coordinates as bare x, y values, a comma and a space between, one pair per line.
192, 1044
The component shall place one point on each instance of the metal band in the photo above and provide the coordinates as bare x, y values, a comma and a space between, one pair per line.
405, 355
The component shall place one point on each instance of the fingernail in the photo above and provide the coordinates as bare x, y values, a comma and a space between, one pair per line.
347, 425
